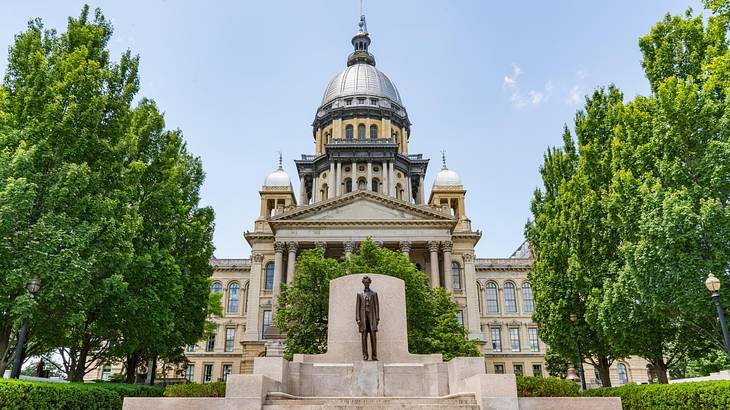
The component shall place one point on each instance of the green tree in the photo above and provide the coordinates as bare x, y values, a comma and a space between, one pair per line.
670, 195
64, 185
99, 202
303, 306
576, 245
168, 280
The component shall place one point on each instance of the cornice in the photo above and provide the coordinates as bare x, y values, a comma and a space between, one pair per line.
504, 264
378, 197
355, 222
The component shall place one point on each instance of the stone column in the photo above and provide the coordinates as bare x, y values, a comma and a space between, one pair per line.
338, 179
433, 247
370, 176
291, 261
405, 247
447, 246
391, 180
278, 268
472, 299
409, 192
348, 247
302, 191
385, 177
420, 189
315, 190
354, 176
331, 187
253, 303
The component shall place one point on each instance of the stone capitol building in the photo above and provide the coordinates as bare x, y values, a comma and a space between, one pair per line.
362, 180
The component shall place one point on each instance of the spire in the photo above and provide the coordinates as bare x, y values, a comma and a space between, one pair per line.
281, 167
361, 42
443, 159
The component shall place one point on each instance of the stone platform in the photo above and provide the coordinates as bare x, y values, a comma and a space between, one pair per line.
338, 379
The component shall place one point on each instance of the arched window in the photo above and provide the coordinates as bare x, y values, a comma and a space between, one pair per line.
528, 302
491, 296
456, 275
376, 185
510, 298
361, 131
373, 132
269, 276
216, 287
623, 375
348, 185
234, 296
349, 132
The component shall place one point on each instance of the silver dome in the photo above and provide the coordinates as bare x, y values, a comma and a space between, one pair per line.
278, 178
447, 177
361, 79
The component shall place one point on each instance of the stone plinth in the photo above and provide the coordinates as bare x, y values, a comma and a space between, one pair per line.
343, 338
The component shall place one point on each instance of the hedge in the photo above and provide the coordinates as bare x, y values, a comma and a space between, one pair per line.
682, 396
21, 395
545, 387
216, 389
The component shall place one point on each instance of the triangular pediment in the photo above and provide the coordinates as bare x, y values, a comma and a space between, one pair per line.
364, 206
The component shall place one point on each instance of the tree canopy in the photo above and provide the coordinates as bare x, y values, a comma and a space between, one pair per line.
637, 215
98, 201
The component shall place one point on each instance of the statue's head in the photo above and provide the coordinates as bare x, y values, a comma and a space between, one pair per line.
366, 281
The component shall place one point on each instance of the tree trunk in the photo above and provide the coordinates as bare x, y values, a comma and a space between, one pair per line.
132, 363
604, 370
151, 369
660, 368
79, 370
5, 332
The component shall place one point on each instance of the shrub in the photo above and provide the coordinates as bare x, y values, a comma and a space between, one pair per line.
682, 396
545, 387
21, 395
217, 389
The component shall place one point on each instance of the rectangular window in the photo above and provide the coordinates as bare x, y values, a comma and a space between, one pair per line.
517, 370
207, 373
210, 345
190, 373
106, 371
230, 337
266, 322
227, 368
537, 370
460, 317
496, 339
534, 341
498, 369
192, 348
514, 338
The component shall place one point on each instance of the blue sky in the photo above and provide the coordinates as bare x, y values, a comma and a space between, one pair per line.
492, 83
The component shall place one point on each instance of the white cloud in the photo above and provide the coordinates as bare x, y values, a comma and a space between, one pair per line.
532, 97
574, 96
510, 80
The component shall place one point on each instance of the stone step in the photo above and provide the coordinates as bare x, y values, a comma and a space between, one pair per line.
280, 401
371, 407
